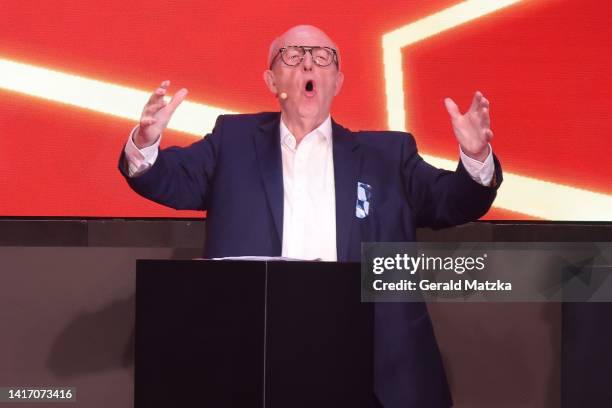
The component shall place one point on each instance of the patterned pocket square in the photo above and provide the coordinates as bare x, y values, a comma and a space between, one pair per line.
364, 196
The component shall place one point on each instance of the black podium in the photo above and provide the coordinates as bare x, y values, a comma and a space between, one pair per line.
252, 334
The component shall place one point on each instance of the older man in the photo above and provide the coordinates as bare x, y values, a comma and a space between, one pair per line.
298, 184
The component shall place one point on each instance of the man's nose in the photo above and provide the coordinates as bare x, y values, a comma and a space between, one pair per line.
307, 63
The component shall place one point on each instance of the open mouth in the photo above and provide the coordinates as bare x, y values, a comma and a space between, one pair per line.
309, 87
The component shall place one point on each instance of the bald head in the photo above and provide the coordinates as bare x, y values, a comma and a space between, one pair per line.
301, 35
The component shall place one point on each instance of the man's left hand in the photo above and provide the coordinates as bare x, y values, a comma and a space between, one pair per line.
472, 129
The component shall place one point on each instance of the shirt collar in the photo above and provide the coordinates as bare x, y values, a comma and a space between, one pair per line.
324, 130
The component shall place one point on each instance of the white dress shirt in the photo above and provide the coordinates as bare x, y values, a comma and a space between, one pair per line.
309, 218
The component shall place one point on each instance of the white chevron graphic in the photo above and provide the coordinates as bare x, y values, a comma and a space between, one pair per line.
99, 96
522, 194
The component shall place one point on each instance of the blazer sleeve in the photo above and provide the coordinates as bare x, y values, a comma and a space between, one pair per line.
442, 198
181, 177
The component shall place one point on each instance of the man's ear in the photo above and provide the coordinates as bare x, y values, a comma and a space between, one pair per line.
339, 82
268, 77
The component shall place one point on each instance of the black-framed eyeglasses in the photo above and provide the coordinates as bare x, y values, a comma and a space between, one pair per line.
293, 55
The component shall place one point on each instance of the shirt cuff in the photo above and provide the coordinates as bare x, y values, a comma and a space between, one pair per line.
140, 160
481, 172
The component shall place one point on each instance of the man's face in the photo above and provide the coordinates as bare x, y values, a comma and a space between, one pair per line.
310, 88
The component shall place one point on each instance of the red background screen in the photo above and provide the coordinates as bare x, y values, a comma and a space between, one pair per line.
543, 64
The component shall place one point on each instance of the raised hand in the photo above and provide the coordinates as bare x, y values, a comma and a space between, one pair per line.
156, 115
472, 129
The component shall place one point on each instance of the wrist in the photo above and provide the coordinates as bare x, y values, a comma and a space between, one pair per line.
140, 140
480, 156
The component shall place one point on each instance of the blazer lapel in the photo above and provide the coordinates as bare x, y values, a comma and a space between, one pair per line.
267, 146
347, 162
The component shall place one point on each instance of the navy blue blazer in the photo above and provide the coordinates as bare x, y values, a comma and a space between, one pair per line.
235, 173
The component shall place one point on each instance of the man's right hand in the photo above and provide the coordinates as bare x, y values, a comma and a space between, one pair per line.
156, 115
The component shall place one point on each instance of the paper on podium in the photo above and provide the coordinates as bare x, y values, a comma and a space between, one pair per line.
261, 258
